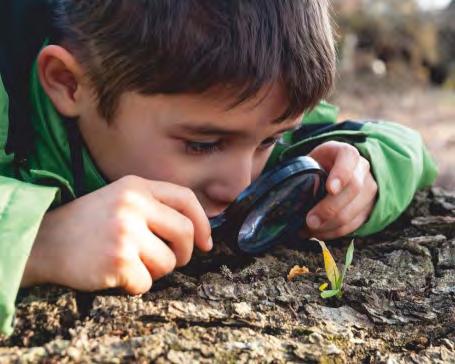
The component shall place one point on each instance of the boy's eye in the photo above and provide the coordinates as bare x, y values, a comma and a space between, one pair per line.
202, 147
269, 142
193, 147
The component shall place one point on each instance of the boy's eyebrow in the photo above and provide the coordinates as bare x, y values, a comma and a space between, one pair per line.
215, 130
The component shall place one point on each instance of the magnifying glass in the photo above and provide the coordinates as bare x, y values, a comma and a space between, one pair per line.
273, 208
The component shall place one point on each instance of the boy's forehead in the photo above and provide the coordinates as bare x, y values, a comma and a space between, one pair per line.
212, 112
266, 107
271, 97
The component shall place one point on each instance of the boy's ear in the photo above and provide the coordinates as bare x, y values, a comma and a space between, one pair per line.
61, 75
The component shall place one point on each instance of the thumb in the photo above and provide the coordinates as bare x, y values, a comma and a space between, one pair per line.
326, 154
339, 160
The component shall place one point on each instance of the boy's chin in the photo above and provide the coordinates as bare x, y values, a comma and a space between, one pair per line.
214, 213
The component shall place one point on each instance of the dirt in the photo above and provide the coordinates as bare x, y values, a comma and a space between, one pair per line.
398, 306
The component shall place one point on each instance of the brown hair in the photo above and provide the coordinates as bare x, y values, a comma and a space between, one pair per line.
190, 46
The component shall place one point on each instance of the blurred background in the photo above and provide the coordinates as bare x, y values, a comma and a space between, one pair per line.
397, 63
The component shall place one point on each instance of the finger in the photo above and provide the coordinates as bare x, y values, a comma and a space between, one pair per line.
159, 259
362, 203
338, 158
178, 232
136, 279
326, 153
329, 208
176, 229
357, 207
343, 230
184, 200
342, 171
348, 220
163, 221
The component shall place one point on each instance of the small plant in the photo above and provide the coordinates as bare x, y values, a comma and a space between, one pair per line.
333, 274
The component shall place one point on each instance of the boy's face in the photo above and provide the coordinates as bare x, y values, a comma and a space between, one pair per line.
192, 140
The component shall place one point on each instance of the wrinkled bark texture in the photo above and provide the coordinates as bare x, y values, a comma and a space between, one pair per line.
397, 307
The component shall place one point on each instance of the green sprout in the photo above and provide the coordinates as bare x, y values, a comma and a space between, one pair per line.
333, 274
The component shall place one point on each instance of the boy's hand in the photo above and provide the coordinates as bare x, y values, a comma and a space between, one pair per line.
125, 235
351, 191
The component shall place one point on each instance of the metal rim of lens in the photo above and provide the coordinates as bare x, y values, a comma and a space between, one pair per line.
226, 226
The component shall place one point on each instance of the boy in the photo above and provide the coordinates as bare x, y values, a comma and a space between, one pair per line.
150, 116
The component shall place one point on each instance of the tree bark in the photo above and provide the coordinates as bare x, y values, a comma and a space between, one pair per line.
397, 306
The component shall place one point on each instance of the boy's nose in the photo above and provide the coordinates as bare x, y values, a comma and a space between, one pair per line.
230, 183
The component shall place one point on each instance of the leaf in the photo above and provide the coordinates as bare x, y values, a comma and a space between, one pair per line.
331, 268
323, 286
349, 256
350, 253
297, 271
340, 281
330, 293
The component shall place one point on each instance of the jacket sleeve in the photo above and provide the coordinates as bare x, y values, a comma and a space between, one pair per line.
401, 165
400, 162
22, 207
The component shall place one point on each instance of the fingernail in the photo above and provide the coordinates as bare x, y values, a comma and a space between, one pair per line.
313, 222
336, 186
210, 243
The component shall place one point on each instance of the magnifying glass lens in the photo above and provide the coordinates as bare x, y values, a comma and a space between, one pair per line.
280, 212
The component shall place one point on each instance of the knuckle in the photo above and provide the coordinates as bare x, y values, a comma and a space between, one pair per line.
188, 194
329, 211
349, 228
129, 181
348, 148
120, 257
366, 163
356, 184
373, 186
130, 200
333, 143
184, 260
166, 266
119, 262
187, 230
122, 246
344, 218
119, 229
186, 242
125, 198
183, 257
172, 263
